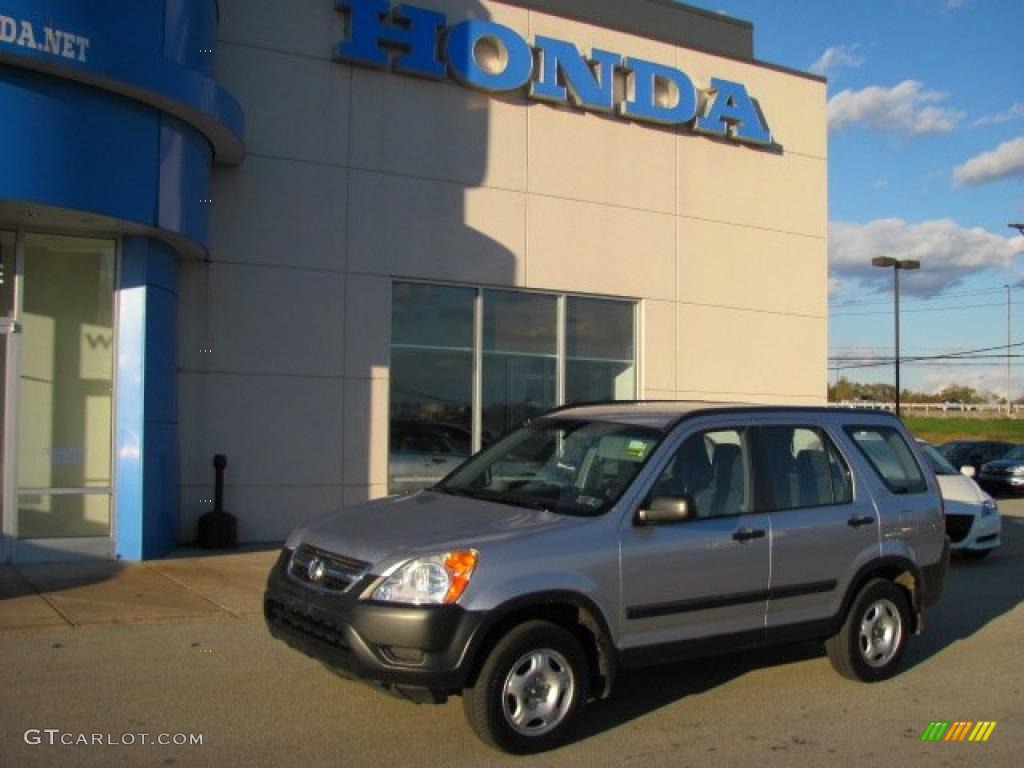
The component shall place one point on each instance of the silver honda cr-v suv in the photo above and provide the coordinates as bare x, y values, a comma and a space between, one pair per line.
602, 537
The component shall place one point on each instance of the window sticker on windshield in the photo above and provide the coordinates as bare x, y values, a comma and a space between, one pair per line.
636, 448
589, 501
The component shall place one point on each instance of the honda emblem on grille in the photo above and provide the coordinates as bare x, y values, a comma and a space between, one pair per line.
316, 570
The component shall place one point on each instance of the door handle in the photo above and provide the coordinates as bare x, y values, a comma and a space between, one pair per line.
858, 520
746, 534
437, 460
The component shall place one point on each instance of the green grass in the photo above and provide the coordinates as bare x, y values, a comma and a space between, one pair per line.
940, 430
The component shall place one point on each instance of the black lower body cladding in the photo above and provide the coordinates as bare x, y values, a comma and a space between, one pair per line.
934, 577
413, 651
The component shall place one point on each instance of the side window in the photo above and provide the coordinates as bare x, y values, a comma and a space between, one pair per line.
710, 468
804, 469
887, 451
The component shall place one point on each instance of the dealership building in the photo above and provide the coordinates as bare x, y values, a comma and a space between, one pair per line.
345, 243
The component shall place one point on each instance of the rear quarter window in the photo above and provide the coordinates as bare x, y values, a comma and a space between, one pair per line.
890, 456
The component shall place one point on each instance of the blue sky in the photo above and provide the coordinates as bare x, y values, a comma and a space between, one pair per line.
926, 161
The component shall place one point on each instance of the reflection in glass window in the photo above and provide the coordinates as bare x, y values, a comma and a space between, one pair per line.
431, 383
520, 359
600, 358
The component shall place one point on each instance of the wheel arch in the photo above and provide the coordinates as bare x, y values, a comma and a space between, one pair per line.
572, 610
895, 568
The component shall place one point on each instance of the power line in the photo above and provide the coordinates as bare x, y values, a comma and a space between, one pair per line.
951, 307
961, 355
950, 294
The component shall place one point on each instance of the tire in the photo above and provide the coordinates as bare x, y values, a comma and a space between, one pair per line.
872, 640
975, 554
530, 689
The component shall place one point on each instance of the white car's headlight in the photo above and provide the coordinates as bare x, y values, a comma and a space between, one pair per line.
432, 580
988, 507
1017, 471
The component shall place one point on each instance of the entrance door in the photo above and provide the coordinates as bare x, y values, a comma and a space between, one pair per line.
59, 381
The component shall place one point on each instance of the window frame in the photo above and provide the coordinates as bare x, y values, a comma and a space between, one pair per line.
765, 492
921, 487
748, 453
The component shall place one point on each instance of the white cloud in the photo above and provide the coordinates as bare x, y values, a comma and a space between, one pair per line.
836, 57
1004, 161
948, 253
1012, 113
906, 108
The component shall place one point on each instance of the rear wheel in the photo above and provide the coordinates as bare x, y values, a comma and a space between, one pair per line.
872, 640
529, 689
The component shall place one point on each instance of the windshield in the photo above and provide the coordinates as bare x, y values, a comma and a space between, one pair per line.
939, 464
565, 466
1016, 453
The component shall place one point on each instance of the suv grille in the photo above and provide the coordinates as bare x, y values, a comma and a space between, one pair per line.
323, 570
958, 526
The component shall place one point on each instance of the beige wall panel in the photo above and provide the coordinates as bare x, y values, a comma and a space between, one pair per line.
659, 394
435, 230
601, 159
722, 181
437, 130
735, 266
460, 10
366, 432
793, 106
576, 246
266, 513
760, 399
742, 355
275, 430
250, 326
307, 27
295, 107
367, 326
659, 345
270, 211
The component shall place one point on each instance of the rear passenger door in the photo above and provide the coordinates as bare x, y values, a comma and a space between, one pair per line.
823, 528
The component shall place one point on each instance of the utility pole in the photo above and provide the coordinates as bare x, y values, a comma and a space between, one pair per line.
1019, 226
897, 265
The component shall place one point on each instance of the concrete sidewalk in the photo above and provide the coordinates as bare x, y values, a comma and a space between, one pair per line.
190, 584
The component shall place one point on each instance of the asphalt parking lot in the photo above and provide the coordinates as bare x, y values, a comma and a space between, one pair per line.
206, 666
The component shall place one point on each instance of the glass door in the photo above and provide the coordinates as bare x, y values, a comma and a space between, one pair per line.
62, 393
7, 330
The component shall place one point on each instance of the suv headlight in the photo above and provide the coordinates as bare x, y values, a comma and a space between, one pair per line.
431, 580
1019, 470
988, 507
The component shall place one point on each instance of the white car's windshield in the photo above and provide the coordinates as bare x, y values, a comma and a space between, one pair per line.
567, 466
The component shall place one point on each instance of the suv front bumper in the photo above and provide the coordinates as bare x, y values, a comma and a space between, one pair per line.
417, 652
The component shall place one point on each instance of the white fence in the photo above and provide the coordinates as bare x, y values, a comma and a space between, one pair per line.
939, 409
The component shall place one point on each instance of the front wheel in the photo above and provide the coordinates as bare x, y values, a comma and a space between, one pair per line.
529, 689
872, 640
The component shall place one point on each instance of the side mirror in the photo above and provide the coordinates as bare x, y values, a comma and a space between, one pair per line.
967, 470
666, 509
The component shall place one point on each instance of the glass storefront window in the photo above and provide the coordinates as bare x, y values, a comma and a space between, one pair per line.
520, 359
431, 383
468, 365
65, 388
600, 355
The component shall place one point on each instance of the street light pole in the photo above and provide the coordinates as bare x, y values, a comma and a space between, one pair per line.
1009, 401
897, 265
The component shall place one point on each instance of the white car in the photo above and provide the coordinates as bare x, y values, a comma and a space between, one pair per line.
972, 516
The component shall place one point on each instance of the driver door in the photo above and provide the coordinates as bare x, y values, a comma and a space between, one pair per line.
701, 582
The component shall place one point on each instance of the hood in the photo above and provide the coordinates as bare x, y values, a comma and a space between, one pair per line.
1003, 464
960, 488
423, 523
